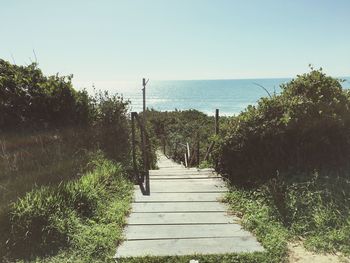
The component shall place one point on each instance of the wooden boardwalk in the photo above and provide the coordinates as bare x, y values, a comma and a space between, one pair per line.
183, 215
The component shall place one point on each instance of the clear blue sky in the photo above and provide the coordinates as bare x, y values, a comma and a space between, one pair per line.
106, 41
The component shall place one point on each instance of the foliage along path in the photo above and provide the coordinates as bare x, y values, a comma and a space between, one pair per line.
183, 215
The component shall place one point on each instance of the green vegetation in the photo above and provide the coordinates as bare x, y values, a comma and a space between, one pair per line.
47, 129
289, 153
174, 129
312, 209
259, 216
304, 128
30, 99
64, 164
77, 221
287, 162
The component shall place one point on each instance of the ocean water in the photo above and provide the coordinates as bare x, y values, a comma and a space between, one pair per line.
229, 96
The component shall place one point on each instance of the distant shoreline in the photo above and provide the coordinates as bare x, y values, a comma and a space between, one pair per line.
229, 96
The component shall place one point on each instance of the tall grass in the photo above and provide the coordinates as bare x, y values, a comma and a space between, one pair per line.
78, 215
28, 160
314, 208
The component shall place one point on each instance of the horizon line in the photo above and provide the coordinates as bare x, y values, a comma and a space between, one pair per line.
198, 79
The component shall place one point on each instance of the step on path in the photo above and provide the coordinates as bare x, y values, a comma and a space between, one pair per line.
183, 215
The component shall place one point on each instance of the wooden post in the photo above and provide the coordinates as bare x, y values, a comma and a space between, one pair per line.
188, 150
133, 142
144, 94
197, 153
147, 165
216, 130
144, 108
216, 121
143, 150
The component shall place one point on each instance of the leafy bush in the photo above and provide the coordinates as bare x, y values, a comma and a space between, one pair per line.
111, 125
306, 127
30, 99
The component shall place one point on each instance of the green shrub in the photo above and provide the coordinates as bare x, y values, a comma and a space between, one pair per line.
111, 125
30, 99
304, 128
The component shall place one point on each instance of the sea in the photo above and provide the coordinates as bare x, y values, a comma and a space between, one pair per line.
230, 96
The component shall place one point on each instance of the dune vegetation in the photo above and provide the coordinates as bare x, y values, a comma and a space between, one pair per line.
65, 168
286, 160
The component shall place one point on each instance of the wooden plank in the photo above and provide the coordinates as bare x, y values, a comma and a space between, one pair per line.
161, 171
179, 207
148, 232
184, 173
186, 187
176, 167
182, 177
207, 181
178, 197
178, 247
189, 170
170, 171
181, 218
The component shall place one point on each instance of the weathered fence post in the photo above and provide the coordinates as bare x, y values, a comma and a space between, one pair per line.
144, 100
216, 121
146, 146
198, 151
188, 150
133, 142
216, 130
